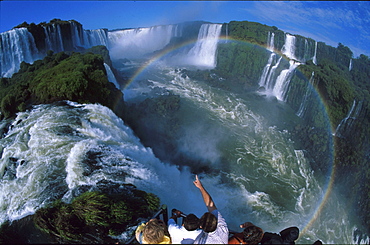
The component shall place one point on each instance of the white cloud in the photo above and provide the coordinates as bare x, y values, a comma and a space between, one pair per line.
331, 22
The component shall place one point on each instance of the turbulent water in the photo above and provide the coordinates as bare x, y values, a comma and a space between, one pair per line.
257, 173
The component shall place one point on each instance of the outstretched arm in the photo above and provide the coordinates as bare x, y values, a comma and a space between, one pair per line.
206, 197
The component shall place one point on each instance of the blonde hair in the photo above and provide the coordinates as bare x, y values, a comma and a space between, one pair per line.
154, 232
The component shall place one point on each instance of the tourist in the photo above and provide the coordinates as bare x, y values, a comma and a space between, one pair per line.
213, 225
186, 233
152, 232
253, 235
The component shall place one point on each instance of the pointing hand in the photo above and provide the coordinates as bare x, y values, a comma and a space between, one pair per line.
197, 182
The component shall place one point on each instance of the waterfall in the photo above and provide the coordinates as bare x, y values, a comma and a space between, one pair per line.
346, 124
314, 60
136, 43
178, 30
268, 73
204, 51
283, 80
95, 37
79, 37
54, 39
227, 31
111, 76
350, 65
269, 70
289, 46
77, 34
16, 45
263, 82
270, 41
303, 107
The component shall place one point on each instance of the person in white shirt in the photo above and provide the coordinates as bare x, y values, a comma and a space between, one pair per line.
213, 225
186, 233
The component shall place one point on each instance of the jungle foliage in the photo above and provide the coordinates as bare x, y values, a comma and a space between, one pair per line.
76, 77
95, 215
241, 62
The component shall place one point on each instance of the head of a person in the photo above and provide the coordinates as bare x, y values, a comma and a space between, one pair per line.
154, 231
253, 234
208, 222
191, 222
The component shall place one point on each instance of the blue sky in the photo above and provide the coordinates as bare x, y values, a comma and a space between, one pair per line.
333, 22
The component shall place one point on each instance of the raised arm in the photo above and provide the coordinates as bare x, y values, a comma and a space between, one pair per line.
206, 197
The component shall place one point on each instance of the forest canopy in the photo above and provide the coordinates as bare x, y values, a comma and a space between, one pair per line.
61, 76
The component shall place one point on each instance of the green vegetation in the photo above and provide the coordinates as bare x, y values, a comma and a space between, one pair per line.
95, 213
76, 77
337, 91
252, 32
241, 62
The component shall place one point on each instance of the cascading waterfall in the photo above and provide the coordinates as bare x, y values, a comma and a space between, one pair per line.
270, 41
268, 78
350, 65
303, 107
136, 43
269, 70
54, 38
95, 37
314, 60
283, 80
347, 122
77, 34
132, 43
227, 31
16, 45
289, 46
277, 86
266, 70
111, 77
203, 53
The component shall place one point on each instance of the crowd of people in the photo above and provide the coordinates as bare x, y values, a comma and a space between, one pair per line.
211, 228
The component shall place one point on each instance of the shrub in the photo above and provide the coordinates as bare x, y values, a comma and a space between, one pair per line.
95, 211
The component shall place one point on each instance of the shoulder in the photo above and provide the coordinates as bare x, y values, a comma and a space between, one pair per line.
220, 218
